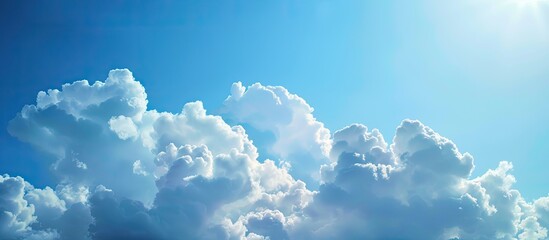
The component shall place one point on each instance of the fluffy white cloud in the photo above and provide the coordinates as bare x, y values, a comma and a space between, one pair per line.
48, 206
425, 187
31, 213
74, 125
15, 213
123, 126
176, 166
266, 224
357, 139
196, 195
125, 171
542, 210
301, 140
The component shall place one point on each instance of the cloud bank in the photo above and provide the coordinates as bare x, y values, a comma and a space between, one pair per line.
128, 172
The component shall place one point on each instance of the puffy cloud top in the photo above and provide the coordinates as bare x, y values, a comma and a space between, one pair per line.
128, 172
301, 140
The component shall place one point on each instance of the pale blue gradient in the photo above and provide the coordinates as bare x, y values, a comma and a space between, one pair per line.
477, 72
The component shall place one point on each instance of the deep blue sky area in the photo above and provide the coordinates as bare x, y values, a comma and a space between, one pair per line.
477, 72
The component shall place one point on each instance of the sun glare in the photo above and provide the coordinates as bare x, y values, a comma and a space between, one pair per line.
528, 3
527, 10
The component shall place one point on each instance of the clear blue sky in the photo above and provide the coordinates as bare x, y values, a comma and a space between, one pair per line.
475, 71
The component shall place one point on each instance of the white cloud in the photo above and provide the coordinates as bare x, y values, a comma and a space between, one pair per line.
123, 126
267, 224
300, 139
16, 214
176, 166
32, 213
426, 187
357, 139
72, 124
48, 206
191, 175
542, 210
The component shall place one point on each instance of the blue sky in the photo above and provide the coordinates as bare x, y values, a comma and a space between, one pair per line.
475, 71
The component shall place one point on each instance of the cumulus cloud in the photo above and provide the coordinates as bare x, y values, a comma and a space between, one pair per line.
17, 214
301, 140
33, 213
128, 172
73, 125
425, 187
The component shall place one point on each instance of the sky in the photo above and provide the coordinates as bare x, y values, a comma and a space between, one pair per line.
473, 71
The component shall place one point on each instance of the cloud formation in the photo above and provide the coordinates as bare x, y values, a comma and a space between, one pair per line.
300, 140
128, 172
